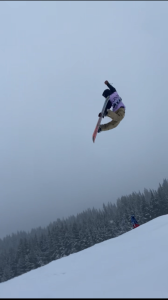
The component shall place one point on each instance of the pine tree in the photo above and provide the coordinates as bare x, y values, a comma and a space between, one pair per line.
44, 249
163, 197
75, 238
145, 208
154, 204
1, 272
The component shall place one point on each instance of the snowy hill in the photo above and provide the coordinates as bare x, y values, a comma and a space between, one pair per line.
134, 264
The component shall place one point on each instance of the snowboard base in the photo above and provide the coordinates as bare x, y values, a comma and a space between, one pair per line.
99, 120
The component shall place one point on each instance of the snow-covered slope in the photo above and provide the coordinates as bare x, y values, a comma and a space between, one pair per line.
134, 264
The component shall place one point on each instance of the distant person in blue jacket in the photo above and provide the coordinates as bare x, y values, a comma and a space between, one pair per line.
134, 222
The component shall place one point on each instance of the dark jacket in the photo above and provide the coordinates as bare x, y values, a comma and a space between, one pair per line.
107, 93
134, 222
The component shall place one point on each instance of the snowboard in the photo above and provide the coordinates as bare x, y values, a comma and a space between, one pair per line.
99, 120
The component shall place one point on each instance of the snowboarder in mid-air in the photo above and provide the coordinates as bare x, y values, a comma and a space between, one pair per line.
116, 103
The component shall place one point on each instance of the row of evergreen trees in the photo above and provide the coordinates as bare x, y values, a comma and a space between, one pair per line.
23, 251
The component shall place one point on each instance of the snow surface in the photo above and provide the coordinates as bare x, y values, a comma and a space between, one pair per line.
134, 264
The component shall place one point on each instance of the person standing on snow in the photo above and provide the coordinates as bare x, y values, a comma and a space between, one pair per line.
116, 103
134, 222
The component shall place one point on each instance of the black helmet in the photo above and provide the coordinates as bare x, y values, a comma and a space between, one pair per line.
106, 93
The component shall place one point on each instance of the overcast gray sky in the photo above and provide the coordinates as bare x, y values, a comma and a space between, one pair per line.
54, 59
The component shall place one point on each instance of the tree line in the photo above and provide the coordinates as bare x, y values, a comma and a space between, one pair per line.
22, 252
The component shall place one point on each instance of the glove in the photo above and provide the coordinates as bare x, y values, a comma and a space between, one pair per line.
99, 115
106, 82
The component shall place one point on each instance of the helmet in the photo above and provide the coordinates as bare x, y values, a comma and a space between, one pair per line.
106, 93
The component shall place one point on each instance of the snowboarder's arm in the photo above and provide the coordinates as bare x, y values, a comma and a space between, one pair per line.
112, 89
108, 106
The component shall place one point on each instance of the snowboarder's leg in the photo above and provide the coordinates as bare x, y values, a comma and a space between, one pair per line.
109, 125
116, 118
